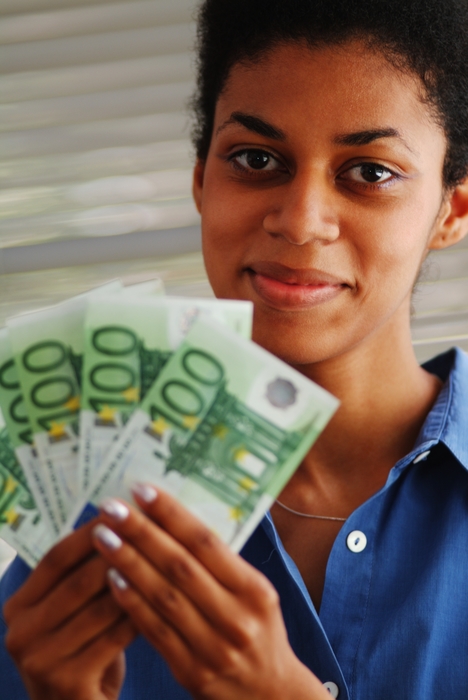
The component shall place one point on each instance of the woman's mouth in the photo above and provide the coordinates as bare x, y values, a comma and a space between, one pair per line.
284, 288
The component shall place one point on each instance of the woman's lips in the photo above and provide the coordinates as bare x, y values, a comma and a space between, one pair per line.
288, 289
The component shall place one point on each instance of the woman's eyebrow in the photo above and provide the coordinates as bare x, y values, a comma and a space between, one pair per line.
356, 138
255, 124
367, 136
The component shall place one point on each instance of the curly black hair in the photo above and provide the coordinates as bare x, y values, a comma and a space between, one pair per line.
426, 37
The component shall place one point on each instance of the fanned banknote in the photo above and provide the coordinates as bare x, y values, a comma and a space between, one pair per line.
20, 434
222, 428
127, 343
48, 351
27, 521
21, 524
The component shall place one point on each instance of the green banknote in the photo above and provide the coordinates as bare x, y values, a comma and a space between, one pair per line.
48, 351
21, 524
222, 428
127, 343
20, 434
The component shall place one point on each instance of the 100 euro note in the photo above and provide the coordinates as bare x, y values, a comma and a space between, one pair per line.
22, 523
127, 343
27, 521
48, 351
19, 430
223, 428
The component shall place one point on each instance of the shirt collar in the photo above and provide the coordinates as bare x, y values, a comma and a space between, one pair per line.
447, 422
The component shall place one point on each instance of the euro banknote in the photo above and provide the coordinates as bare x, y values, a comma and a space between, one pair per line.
223, 428
19, 430
21, 524
28, 520
47, 348
127, 343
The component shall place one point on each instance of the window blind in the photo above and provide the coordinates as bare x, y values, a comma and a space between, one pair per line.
95, 160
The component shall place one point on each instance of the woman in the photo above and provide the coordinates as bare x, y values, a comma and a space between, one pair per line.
332, 157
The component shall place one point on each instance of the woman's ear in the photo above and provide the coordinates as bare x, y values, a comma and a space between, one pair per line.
452, 223
197, 185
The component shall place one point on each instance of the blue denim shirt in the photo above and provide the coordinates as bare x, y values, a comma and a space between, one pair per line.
393, 622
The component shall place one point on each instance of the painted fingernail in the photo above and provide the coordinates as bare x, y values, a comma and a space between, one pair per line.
117, 579
106, 537
147, 493
114, 509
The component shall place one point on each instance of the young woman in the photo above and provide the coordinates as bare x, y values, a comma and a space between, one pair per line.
332, 152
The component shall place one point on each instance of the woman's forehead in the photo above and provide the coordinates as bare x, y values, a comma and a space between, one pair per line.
346, 88
350, 64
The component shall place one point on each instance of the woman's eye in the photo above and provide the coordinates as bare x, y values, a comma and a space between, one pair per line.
255, 160
368, 173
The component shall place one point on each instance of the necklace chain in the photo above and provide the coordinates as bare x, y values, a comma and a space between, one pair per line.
307, 515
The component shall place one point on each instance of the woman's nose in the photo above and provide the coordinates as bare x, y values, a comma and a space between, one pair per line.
303, 211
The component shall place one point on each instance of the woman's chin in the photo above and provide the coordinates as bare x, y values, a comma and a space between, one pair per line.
293, 351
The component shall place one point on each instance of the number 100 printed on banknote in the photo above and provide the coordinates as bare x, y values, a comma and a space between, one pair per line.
127, 343
222, 428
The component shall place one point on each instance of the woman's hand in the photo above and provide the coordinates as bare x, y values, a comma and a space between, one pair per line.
215, 619
66, 633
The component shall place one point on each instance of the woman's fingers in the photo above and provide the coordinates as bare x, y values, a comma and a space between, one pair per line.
78, 632
63, 605
60, 603
172, 579
187, 529
155, 595
186, 662
103, 650
72, 655
56, 564
150, 622
66, 619
216, 620
82, 675
66, 632
73, 592
181, 571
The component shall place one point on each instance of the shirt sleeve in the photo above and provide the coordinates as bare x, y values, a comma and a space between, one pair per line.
11, 682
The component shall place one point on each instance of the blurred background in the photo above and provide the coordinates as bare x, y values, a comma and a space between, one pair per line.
95, 162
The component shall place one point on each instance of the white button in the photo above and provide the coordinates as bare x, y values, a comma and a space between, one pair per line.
421, 457
332, 689
356, 541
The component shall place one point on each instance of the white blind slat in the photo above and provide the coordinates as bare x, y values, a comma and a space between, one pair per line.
151, 99
99, 77
94, 135
77, 21
89, 165
94, 48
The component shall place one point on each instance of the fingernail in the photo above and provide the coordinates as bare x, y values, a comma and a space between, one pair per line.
108, 538
114, 509
147, 493
118, 580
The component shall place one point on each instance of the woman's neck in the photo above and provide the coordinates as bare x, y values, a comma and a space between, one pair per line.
385, 397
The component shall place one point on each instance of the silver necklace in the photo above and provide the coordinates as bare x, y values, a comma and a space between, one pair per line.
307, 515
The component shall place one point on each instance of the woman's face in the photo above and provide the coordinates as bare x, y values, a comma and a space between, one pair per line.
320, 196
